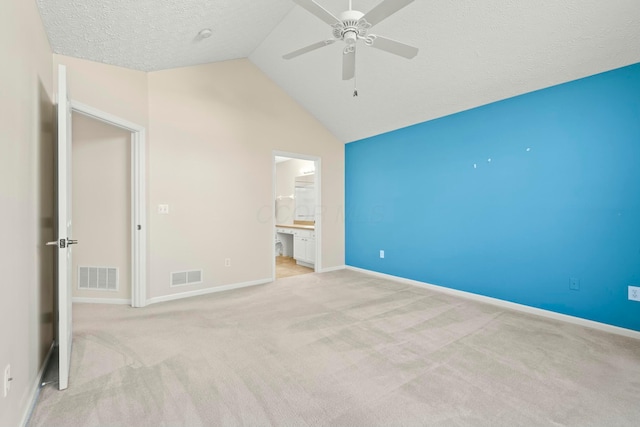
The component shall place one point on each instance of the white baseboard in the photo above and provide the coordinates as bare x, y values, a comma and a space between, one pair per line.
101, 301
306, 264
206, 291
35, 388
508, 304
336, 268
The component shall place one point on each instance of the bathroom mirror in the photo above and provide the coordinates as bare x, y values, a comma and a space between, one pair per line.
305, 198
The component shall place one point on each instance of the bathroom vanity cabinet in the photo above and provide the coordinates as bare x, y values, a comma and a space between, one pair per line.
304, 243
304, 247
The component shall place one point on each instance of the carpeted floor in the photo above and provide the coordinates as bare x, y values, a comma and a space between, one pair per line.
339, 349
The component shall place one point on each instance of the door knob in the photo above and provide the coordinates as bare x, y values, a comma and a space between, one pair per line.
63, 243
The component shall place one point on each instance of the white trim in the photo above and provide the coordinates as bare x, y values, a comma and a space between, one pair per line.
336, 268
319, 220
104, 117
317, 266
139, 205
117, 301
206, 291
273, 212
35, 388
305, 264
138, 197
508, 304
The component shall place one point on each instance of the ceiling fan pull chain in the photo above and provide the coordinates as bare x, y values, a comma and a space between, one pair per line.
355, 85
355, 76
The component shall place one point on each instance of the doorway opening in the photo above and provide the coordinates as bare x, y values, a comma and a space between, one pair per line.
101, 206
297, 219
137, 224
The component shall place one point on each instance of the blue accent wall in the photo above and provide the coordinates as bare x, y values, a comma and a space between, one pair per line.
553, 200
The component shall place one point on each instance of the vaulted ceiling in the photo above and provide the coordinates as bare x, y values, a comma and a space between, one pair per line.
471, 52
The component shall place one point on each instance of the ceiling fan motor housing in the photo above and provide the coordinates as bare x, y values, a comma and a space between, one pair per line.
351, 27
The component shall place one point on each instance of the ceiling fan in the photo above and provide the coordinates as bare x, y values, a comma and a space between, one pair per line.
353, 25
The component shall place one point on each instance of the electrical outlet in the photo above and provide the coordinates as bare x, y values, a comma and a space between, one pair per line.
574, 284
634, 293
381, 254
163, 209
227, 262
7, 380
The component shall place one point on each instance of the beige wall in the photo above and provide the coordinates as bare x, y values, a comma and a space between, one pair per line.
101, 203
26, 201
212, 130
114, 90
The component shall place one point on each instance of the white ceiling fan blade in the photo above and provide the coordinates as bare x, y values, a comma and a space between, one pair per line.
317, 10
309, 48
393, 46
349, 65
383, 10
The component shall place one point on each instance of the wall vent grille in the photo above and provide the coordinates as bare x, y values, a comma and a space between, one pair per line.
183, 278
98, 278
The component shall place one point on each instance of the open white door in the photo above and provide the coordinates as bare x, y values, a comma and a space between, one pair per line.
64, 241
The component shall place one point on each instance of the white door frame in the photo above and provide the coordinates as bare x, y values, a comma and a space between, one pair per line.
318, 190
138, 205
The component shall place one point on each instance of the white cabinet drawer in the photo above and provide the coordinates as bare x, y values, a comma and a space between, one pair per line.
305, 233
285, 230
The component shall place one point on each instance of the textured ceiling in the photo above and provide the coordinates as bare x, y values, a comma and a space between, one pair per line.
471, 52
151, 35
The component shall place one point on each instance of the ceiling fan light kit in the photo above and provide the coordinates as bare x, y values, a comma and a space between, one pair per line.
353, 25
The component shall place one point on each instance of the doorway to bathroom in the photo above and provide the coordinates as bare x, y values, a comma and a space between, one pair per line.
296, 195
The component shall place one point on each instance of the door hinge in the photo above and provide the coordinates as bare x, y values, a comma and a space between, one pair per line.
139, 227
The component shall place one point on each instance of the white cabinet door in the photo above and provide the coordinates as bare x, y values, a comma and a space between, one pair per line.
311, 250
304, 249
299, 248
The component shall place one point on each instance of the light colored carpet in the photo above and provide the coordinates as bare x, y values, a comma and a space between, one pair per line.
340, 349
